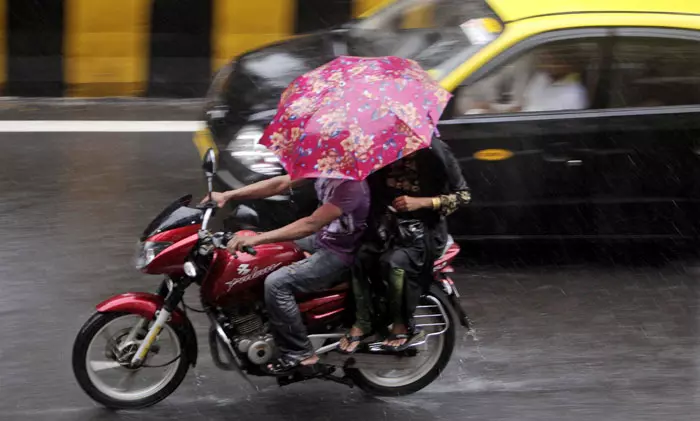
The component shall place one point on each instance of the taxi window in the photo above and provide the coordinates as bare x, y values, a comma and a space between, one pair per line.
431, 32
558, 76
652, 72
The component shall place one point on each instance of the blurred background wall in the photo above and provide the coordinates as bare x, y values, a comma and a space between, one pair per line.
156, 48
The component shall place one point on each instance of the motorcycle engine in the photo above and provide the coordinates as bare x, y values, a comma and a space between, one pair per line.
252, 338
259, 349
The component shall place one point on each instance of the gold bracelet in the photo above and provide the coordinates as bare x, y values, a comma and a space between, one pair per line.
436, 203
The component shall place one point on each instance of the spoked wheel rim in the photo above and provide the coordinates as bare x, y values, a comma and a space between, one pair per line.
428, 353
107, 355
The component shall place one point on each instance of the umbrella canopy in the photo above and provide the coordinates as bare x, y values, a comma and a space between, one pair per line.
353, 116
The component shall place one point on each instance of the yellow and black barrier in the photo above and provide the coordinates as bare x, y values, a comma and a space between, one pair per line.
157, 48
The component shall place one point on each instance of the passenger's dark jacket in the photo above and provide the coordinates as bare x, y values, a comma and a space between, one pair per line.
429, 172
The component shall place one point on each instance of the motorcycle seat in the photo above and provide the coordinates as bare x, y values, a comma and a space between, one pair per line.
340, 288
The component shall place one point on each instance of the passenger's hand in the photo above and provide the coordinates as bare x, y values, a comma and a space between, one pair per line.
410, 204
238, 243
219, 198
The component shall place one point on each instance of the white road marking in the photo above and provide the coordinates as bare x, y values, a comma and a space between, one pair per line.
74, 126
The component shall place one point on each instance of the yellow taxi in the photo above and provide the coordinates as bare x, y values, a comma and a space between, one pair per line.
571, 119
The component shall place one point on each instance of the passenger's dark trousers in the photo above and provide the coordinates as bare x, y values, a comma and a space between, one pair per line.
323, 270
407, 271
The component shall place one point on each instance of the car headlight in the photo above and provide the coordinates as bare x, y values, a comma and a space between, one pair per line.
246, 149
147, 251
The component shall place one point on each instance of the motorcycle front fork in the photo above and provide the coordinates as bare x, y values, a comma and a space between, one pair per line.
172, 294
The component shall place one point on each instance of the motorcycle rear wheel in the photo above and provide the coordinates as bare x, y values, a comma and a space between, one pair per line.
85, 371
375, 383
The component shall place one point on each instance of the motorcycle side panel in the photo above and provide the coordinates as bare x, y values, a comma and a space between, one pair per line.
320, 309
442, 264
234, 279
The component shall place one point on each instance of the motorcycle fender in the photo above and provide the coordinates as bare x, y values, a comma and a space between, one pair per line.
145, 304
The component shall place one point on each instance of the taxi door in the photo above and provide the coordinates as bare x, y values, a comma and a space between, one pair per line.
526, 163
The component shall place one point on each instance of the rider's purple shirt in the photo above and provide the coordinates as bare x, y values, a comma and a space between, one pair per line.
342, 236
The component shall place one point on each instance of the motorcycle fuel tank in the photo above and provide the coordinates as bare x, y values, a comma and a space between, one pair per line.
234, 277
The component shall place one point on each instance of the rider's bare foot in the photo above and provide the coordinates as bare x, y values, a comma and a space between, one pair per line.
397, 329
310, 361
345, 344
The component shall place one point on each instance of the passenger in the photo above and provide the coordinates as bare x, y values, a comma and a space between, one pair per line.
422, 189
555, 86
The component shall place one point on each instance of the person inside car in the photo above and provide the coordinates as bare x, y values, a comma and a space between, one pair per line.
406, 233
332, 233
555, 85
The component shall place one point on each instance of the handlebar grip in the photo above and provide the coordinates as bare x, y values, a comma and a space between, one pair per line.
209, 204
249, 250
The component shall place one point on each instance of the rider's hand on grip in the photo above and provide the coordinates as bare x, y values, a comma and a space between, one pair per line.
219, 198
241, 243
249, 250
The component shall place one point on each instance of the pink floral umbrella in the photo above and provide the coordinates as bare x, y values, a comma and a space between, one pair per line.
353, 116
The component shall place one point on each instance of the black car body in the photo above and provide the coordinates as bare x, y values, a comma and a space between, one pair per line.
625, 167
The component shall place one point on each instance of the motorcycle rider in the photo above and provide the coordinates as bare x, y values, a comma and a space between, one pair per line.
332, 233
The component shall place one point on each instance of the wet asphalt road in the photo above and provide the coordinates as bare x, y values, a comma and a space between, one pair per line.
580, 340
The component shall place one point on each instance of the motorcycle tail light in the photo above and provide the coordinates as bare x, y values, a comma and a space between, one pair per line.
147, 251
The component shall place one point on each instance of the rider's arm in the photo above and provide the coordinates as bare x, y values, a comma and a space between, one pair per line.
260, 190
301, 228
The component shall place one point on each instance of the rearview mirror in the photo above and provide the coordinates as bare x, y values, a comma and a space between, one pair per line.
209, 163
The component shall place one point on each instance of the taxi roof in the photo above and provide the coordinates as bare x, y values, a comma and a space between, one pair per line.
512, 10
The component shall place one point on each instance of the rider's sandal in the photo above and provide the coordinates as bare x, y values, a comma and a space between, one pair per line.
351, 340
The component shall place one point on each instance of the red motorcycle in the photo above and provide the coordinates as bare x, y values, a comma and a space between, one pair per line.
136, 349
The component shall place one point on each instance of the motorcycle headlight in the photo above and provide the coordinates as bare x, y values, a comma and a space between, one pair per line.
147, 251
246, 149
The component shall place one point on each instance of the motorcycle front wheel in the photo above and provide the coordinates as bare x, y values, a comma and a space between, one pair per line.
101, 353
432, 356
